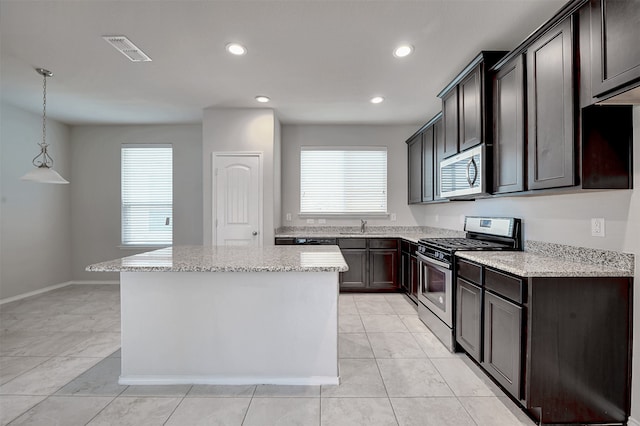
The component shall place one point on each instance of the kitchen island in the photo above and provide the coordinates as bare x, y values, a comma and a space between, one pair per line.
229, 315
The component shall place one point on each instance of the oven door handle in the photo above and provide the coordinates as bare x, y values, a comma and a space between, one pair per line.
425, 259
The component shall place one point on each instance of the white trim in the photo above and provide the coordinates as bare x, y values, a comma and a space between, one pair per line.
218, 380
55, 287
633, 422
95, 282
258, 154
34, 292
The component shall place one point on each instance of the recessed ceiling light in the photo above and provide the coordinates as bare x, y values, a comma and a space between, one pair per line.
402, 51
262, 99
376, 99
236, 49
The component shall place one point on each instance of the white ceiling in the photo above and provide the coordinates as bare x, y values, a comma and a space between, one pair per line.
319, 60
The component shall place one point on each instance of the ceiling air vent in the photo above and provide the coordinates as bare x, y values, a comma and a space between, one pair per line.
127, 48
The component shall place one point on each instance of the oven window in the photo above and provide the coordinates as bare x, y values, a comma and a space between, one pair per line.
435, 287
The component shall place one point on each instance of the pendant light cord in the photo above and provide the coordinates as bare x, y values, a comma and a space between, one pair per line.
44, 159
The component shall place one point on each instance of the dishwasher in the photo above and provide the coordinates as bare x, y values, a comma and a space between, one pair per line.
315, 241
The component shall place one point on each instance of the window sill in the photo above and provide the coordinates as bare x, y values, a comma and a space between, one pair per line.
143, 246
344, 215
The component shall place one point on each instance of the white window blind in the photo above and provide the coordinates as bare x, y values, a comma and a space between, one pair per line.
343, 181
147, 194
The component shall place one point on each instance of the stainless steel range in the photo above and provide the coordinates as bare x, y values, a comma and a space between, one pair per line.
436, 263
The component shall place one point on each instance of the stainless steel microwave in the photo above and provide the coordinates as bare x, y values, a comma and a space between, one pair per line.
464, 174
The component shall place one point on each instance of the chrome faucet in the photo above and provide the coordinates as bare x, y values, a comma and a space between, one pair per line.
362, 225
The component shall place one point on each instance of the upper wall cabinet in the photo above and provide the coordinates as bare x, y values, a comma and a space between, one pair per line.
424, 148
466, 105
427, 165
509, 131
550, 111
414, 146
615, 53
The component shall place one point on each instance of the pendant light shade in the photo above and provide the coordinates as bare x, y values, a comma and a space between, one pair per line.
44, 173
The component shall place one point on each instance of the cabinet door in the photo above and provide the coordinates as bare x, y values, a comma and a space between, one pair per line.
551, 109
438, 148
414, 277
469, 317
356, 277
383, 269
415, 169
508, 135
470, 110
503, 342
615, 56
427, 165
405, 272
450, 122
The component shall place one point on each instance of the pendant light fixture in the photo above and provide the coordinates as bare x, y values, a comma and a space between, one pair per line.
44, 173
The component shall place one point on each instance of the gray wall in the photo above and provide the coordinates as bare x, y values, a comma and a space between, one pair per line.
393, 137
35, 224
237, 130
95, 196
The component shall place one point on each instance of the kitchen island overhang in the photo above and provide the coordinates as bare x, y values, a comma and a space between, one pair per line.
222, 315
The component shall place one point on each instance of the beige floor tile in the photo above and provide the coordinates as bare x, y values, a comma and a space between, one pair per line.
358, 378
432, 346
350, 324
492, 411
99, 380
395, 345
357, 411
12, 406
460, 378
354, 345
63, 411
130, 411
12, 367
283, 412
280, 391
222, 391
431, 412
210, 412
380, 323
412, 378
374, 306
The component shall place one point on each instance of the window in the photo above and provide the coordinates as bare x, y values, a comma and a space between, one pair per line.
343, 181
147, 195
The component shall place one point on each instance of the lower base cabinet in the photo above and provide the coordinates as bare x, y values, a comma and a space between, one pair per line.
409, 270
373, 264
561, 346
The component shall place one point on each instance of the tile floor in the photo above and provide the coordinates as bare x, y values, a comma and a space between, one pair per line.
59, 365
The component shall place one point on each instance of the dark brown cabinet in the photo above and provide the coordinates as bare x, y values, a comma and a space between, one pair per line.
415, 168
615, 56
409, 270
427, 165
373, 264
550, 112
438, 155
509, 131
470, 110
469, 317
560, 345
450, 122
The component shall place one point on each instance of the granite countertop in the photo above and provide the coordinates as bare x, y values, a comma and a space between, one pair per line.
409, 233
230, 259
563, 263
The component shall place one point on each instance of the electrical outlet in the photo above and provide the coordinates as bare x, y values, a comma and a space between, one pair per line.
322, 221
288, 217
597, 227
311, 221
393, 217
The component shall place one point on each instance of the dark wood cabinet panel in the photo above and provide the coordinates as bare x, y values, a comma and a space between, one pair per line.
284, 241
509, 132
450, 123
615, 56
405, 272
551, 109
438, 155
503, 342
413, 277
415, 169
470, 110
383, 269
427, 165
469, 317
356, 276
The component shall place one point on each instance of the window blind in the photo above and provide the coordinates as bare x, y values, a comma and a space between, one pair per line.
147, 194
343, 181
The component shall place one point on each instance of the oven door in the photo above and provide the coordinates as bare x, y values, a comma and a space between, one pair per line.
436, 288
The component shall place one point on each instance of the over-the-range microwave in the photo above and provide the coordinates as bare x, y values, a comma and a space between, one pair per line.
464, 175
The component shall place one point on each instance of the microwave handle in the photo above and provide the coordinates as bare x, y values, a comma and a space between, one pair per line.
475, 172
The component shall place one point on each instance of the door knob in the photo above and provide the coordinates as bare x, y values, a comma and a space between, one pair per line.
254, 233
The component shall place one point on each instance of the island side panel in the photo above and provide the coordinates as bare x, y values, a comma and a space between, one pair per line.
229, 327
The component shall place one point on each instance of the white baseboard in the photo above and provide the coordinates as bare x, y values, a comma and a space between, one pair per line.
34, 292
633, 422
54, 287
224, 380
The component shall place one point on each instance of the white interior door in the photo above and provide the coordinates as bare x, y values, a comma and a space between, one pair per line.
237, 200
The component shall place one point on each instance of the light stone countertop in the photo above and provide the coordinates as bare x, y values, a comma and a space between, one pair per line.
528, 264
409, 233
230, 259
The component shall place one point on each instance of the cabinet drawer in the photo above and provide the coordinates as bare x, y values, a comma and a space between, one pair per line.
406, 245
376, 243
352, 242
285, 241
470, 271
504, 285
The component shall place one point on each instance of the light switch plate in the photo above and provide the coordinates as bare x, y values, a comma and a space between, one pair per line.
311, 221
393, 217
597, 227
288, 217
321, 221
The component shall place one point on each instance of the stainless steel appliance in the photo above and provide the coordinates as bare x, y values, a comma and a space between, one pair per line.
464, 175
436, 263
